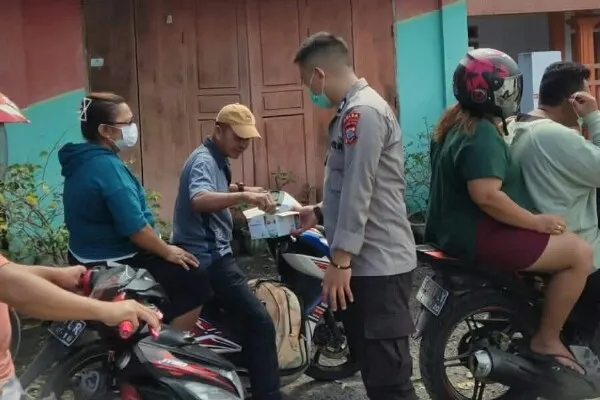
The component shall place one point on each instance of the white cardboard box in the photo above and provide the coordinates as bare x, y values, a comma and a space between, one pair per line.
284, 200
263, 226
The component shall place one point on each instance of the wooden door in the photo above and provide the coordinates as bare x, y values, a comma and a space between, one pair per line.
283, 111
163, 65
110, 42
217, 42
366, 25
194, 56
295, 132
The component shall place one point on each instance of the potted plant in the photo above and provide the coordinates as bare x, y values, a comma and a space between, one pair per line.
162, 227
418, 175
32, 215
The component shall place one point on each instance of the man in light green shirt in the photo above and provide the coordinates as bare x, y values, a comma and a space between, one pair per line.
560, 167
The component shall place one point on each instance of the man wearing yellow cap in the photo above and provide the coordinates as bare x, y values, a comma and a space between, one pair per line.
202, 225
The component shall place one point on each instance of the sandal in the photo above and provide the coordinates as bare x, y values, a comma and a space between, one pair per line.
552, 360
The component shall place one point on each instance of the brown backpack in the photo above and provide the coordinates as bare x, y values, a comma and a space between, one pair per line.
284, 308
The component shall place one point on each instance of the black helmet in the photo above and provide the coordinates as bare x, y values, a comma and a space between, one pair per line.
488, 81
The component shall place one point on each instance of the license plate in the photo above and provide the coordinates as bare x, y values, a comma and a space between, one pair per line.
432, 296
67, 332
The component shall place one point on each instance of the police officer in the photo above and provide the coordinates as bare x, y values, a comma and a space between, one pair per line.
372, 247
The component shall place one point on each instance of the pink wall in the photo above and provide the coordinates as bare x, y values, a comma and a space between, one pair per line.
41, 49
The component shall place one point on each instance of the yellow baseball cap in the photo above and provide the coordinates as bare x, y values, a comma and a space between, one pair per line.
240, 119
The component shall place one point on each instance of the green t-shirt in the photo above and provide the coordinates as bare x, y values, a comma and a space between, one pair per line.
452, 216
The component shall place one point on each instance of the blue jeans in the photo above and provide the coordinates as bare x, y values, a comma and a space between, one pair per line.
233, 295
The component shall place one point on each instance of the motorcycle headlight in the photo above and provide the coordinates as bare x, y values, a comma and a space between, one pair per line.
208, 392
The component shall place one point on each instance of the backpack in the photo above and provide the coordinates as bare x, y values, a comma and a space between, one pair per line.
284, 308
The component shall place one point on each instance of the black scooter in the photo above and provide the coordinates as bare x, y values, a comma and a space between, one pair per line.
495, 348
142, 364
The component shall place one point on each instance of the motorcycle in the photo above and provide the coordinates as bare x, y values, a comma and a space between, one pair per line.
501, 312
301, 262
139, 363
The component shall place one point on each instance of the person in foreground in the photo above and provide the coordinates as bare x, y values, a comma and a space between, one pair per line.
28, 288
560, 167
202, 224
479, 208
372, 247
108, 217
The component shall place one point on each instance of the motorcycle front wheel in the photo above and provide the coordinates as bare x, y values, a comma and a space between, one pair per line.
84, 376
330, 343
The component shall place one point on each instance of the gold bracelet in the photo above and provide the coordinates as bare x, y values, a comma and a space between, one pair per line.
340, 266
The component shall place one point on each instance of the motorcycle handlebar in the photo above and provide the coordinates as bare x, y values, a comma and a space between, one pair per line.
85, 282
126, 329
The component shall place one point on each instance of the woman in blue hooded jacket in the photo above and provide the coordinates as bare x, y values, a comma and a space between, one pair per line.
108, 217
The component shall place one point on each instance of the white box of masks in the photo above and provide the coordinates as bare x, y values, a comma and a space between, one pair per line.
264, 226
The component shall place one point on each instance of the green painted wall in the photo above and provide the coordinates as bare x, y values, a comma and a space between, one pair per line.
428, 48
54, 121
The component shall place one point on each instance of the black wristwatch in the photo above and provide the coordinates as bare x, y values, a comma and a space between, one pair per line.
240, 186
318, 214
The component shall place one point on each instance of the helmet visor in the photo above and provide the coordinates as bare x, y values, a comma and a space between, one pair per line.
508, 96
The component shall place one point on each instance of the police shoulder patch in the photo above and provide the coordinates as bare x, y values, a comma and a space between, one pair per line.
349, 124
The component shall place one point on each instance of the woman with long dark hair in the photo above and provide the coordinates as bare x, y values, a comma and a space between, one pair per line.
479, 208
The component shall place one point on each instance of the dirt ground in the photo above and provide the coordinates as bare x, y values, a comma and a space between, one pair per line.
304, 388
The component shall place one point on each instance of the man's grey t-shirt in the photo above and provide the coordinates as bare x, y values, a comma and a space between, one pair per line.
205, 235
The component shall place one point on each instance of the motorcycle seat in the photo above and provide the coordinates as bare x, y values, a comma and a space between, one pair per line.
432, 254
174, 338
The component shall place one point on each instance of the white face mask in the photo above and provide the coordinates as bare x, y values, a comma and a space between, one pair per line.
130, 137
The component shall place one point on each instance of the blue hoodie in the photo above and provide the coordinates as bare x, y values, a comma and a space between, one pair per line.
104, 202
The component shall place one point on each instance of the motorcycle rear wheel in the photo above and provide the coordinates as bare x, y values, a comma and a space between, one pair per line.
60, 378
439, 330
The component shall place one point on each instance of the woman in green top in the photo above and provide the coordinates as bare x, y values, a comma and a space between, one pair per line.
479, 209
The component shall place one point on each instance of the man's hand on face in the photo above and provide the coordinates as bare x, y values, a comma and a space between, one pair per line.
583, 103
68, 277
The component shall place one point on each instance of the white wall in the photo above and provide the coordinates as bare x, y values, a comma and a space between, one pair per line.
513, 34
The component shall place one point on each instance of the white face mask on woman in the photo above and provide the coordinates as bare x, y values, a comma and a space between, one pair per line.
129, 135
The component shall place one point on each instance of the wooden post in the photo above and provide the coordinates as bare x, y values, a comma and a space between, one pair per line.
556, 32
584, 36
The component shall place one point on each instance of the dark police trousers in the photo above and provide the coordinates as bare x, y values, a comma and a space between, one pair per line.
378, 324
234, 296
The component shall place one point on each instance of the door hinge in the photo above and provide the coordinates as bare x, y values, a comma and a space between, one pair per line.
392, 30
